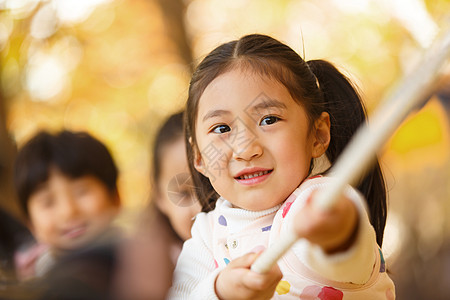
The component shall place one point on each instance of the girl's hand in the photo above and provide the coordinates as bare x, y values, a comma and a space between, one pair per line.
237, 281
333, 230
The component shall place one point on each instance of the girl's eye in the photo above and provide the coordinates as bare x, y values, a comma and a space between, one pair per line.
80, 190
269, 120
46, 201
220, 129
80, 187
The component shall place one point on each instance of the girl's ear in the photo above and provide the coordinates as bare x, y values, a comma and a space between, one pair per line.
198, 162
321, 135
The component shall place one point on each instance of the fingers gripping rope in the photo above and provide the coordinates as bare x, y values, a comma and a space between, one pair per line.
413, 91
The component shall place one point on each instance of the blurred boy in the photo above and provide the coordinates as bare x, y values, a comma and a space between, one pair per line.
66, 185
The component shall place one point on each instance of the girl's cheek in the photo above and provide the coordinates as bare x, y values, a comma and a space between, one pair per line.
213, 146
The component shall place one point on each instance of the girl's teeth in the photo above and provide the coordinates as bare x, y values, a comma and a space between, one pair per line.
254, 175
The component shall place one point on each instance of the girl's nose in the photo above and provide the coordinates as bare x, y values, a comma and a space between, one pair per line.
68, 207
249, 150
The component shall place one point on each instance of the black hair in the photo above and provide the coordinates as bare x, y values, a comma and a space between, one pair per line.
315, 85
170, 132
347, 113
75, 154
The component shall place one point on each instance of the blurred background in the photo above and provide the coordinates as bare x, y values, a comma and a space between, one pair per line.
118, 68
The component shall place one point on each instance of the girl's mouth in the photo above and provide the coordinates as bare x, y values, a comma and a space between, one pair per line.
75, 232
252, 175
251, 178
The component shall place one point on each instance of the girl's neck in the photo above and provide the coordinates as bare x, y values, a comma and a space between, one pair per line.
238, 218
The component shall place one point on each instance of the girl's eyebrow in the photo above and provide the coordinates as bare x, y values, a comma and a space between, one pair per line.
264, 104
268, 103
215, 113
40, 186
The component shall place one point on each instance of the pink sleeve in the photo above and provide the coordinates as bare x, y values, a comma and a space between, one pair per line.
25, 260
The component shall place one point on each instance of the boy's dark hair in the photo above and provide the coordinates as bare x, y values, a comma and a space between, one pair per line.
75, 154
315, 85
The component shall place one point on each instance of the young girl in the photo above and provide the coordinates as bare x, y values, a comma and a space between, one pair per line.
149, 257
259, 118
173, 192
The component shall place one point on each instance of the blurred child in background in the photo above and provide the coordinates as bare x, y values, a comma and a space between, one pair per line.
173, 188
66, 186
148, 259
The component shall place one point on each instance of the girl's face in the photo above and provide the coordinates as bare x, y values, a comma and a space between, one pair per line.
68, 213
254, 141
176, 195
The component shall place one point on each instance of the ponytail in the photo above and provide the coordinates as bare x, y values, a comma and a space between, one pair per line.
347, 113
